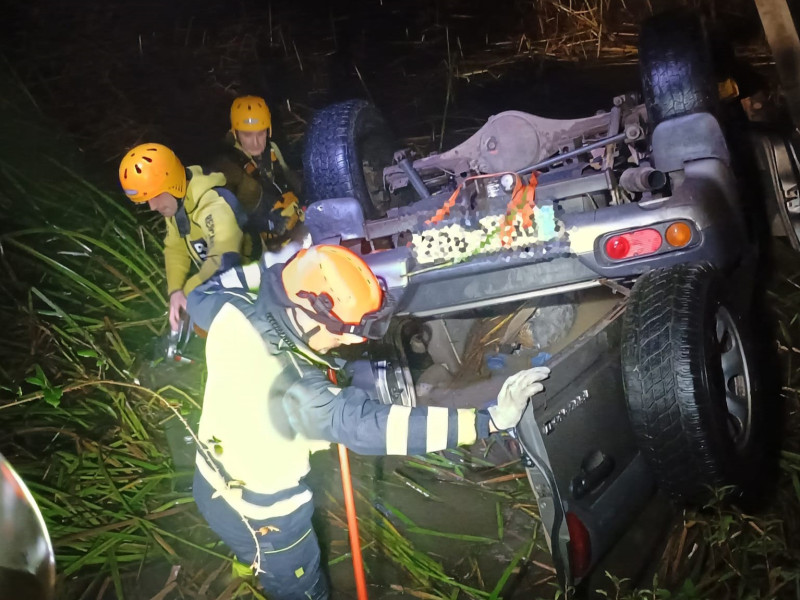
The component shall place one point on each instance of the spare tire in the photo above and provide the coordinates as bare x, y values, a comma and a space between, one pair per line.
692, 385
677, 67
347, 147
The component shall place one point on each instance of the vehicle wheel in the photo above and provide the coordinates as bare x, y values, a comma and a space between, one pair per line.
691, 384
347, 147
677, 67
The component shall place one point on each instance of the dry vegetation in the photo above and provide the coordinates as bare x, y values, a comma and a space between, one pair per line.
114, 74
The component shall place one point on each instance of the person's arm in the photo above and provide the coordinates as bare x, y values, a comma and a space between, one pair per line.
320, 410
223, 237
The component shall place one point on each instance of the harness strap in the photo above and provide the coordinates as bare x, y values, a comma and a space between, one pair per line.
236, 207
182, 220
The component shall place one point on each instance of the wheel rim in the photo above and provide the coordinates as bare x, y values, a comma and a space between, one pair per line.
736, 377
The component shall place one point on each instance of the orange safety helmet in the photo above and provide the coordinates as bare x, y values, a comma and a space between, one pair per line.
335, 287
149, 170
251, 113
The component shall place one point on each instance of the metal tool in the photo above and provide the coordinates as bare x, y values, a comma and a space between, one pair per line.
178, 340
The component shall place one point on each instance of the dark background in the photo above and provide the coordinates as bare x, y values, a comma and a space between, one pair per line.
117, 73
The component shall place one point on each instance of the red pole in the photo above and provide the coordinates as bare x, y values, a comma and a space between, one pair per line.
352, 524
352, 520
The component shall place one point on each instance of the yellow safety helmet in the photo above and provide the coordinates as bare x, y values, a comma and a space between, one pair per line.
149, 170
335, 287
251, 113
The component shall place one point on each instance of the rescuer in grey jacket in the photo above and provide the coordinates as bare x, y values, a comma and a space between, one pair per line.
269, 403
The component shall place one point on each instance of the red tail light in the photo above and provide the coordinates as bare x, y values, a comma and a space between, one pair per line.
580, 546
633, 243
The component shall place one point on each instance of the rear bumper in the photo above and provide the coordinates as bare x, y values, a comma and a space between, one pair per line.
706, 199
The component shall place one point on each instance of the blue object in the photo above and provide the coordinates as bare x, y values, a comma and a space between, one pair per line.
545, 219
540, 359
495, 362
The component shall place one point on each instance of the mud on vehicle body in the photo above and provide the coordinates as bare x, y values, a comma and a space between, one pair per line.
633, 229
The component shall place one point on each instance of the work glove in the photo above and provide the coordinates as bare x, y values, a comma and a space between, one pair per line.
514, 395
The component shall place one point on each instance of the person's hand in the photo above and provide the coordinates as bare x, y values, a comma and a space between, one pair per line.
514, 394
177, 302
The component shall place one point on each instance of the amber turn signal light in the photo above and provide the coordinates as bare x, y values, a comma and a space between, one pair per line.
678, 234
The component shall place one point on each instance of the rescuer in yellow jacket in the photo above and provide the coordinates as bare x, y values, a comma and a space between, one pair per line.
269, 403
257, 174
204, 221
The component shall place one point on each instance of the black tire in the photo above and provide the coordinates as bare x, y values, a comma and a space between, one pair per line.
692, 387
347, 147
676, 65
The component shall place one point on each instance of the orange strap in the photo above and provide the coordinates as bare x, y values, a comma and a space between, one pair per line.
522, 202
451, 201
445, 209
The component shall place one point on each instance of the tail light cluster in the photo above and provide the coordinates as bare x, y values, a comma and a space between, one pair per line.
656, 239
580, 546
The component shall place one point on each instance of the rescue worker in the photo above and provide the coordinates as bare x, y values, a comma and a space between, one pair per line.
203, 219
268, 404
257, 173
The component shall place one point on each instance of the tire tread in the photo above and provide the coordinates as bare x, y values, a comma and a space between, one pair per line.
662, 359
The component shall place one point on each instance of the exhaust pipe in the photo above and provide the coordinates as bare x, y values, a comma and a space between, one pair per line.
642, 179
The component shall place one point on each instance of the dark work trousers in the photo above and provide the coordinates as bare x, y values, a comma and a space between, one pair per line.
289, 553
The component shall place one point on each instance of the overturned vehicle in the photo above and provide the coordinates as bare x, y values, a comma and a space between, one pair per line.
619, 249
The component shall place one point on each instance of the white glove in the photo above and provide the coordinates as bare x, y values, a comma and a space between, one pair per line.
514, 394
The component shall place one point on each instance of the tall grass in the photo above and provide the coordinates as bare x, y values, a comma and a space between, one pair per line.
82, 297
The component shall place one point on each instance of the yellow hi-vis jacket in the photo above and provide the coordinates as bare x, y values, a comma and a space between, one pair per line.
268, 402
211, 232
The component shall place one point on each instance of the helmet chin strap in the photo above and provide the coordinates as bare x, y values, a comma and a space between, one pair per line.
303, 333
306, 335
372, 326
